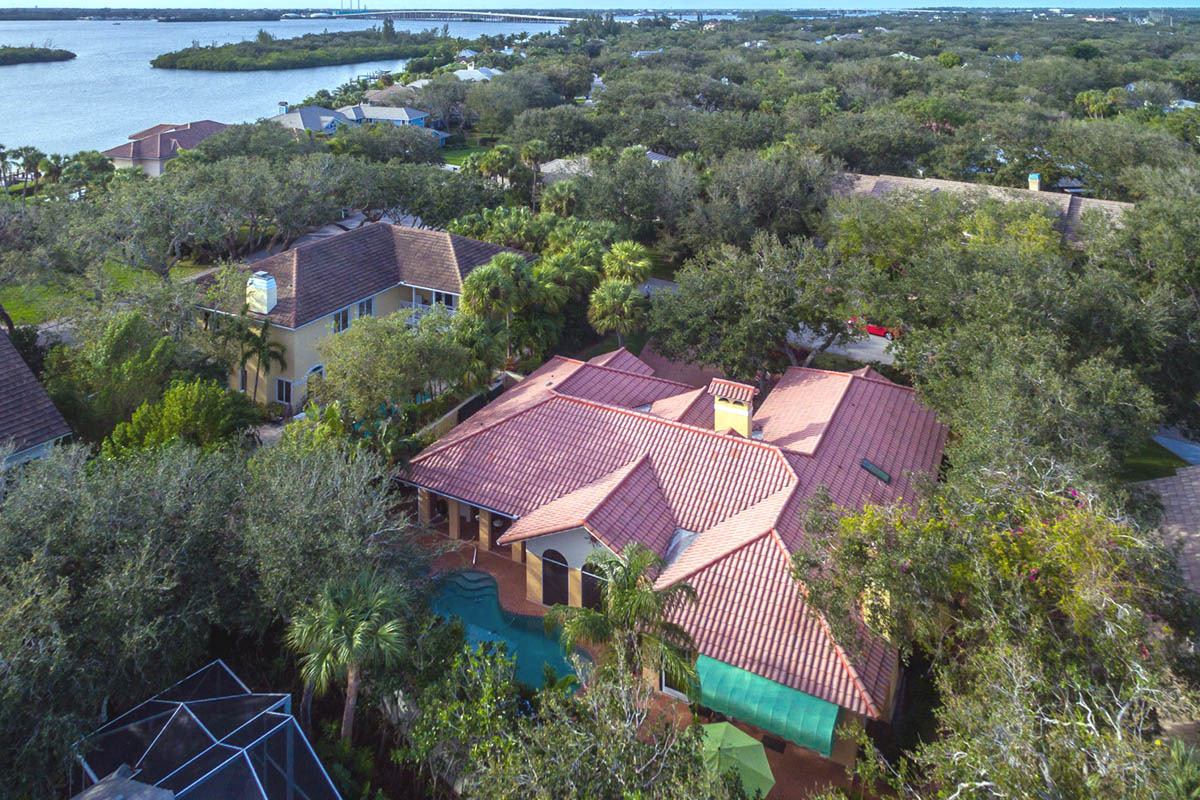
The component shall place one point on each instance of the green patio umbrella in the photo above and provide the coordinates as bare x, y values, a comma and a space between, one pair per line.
726, 748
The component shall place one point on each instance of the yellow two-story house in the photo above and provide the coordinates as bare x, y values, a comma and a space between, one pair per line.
319, 289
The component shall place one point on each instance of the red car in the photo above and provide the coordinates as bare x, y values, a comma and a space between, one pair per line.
876, 329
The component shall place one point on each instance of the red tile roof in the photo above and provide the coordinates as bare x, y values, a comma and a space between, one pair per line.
165, 141
731, 390
564, 449
624, 360
320, 277
753, 615
624, 506
27, 417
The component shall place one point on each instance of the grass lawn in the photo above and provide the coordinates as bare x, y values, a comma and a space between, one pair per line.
35, 303
633, 344
457, 155
1150, 461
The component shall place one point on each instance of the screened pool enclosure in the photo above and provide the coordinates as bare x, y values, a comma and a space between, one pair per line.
209, 737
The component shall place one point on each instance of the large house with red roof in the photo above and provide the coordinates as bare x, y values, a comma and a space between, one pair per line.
581, 456
151, 149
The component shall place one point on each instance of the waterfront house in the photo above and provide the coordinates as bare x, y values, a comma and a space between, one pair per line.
582, 456
29, 422
396, 115
151, 149
317, 290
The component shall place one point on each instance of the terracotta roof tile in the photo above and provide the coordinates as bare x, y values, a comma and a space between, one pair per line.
559, 450
27, 416
624, 506
801, 408
617, 387
753, 615
624, 360
691, 408
732, 390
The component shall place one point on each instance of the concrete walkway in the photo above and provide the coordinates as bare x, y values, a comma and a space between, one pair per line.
868, 349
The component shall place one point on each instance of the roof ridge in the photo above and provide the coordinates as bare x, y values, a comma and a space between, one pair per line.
687, 386
438, 447
851, 670
637, 462
770, 448
707, 564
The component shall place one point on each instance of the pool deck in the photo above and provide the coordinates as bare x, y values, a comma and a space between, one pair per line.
799, 773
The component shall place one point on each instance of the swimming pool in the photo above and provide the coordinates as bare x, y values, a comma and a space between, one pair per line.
473, 597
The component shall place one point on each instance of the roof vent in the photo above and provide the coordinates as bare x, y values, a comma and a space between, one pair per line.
644, 407
876, 471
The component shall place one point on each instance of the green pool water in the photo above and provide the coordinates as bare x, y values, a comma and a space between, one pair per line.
473, 597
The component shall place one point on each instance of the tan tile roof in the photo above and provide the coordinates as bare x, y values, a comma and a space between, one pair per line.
318, 278
1068, 207
558, 460
1180, 523
165, 141
27, 417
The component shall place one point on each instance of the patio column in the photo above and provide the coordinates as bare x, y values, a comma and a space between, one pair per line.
485, 529
453, 518
517, 552
574, 588
424, 506
533, 578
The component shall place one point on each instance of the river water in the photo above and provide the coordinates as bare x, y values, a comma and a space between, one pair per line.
111, 91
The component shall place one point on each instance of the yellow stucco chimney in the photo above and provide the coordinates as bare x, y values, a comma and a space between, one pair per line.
732, 405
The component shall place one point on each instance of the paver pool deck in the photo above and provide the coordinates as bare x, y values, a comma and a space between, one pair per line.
798, 774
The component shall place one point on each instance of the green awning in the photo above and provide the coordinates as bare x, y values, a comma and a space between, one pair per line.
792, 714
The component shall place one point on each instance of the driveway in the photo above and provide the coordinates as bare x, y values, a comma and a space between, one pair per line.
868, 349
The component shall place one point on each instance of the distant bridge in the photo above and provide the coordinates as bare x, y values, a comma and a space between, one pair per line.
458, 16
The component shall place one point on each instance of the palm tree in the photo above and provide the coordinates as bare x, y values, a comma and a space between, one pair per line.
264, 351
632, 621
533, 153
28, 158
52, 166
499, 288
560, 198
618, 306
630, 261
351, 626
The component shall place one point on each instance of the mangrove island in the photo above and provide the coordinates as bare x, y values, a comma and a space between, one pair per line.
32, 55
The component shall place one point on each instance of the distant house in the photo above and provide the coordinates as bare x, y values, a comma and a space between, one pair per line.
404, 115
466, 52
560, 169
645, 53
29, 422
389, 95
317, 290
1067, 207
1182, 105
316, 119
475, 75
755, 44
150, 149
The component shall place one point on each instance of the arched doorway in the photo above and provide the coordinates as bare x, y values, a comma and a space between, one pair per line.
555, 579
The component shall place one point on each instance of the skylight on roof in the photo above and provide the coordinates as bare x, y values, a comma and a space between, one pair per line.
875, 470
680, 540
